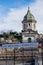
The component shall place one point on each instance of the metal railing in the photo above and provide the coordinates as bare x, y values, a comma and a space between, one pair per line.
19, 57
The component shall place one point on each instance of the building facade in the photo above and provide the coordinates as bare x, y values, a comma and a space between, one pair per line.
29, 32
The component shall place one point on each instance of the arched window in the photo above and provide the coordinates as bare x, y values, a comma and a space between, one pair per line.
29, 24
29, 39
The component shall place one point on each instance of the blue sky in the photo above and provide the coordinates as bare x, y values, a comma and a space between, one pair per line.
7, 4
15, 3
13, 11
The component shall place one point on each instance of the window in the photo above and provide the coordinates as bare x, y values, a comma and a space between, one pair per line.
29, 40
29, 24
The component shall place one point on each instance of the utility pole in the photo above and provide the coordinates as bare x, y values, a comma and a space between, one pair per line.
23, 55
6, 55
14, 56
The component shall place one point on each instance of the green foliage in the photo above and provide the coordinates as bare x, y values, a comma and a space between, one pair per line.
12, 35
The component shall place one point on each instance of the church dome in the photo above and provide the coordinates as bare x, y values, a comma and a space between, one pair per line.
29, 17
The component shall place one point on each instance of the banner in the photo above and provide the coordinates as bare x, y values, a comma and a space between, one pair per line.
19, 45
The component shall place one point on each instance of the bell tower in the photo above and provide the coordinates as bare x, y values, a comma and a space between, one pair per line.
29, 22
29, 27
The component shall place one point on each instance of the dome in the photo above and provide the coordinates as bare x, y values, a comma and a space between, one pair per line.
29, 17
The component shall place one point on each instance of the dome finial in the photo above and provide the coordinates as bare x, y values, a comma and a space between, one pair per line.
28, 9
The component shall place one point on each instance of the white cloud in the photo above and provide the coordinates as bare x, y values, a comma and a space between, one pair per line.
12, 21
37, 10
